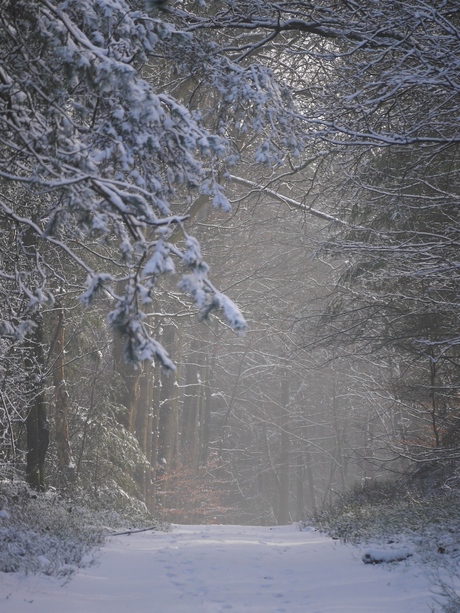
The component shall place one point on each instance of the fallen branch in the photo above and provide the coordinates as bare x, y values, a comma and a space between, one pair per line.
133, 531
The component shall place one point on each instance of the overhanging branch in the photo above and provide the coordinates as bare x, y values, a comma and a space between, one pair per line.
289, 201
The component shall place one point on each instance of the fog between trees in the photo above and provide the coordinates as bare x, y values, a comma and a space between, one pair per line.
229, 250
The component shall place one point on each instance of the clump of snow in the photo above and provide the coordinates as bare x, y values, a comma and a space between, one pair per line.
160, 261
379, 556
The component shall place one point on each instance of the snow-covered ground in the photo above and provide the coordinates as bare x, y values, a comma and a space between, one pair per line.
214, 569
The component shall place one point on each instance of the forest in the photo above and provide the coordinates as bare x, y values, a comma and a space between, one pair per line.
230, 251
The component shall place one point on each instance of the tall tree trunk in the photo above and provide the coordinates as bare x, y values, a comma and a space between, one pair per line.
144, 428
66, 465
168, 427
37, 427
284, 471
205, 412
129, 378
169, 397
155, 437
190, 417
433, 399
311, 482
300, 493
207, 360
338, 433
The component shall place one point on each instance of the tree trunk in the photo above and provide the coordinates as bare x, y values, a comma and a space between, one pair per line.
144, 428
169, 396
66, 465
190, 418
205, 413
37, 427
168, 427
300, 494
155, 437
311, 482
284, 484
129, 393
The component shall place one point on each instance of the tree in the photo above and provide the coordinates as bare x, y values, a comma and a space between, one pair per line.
399, 295
102, 154
91, 159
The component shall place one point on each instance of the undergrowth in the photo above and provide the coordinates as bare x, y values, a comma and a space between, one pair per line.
404, 511
46, 533
384, 508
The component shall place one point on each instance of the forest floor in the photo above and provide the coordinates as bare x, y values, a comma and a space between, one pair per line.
235, 569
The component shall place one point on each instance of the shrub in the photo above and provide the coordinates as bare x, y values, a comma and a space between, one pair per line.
44, 533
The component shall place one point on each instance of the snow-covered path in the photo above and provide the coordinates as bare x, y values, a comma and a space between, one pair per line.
218, 569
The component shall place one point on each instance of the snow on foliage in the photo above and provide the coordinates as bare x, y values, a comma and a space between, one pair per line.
96, 284
96, 154
47, 534
96, 149
42, 534
212, 188
231, 312
160, 262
